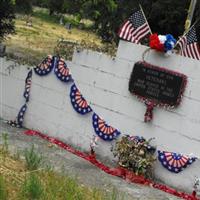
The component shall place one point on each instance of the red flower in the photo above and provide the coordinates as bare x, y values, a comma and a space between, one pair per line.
155, 43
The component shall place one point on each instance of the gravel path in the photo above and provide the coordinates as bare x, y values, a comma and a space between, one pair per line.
72, 165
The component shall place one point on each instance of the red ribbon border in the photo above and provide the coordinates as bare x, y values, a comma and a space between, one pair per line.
119, 172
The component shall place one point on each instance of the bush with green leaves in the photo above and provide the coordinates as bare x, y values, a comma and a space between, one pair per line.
24, 6
7, 17
135, 154
33, 159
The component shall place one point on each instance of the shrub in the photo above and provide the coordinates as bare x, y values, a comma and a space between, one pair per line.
24, 6
33, 160
135, 154
6, 18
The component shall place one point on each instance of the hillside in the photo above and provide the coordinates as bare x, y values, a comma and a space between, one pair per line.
41, 35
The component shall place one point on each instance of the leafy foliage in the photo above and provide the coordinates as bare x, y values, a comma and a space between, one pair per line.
24, 6
163, 16
41, 3
6, 18
66, 48
137, 156
168, 16
55, 6
104, 15
33, 160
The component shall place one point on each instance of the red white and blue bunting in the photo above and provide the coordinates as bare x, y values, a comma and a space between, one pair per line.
79, 103
28, 82
103, 130
174, 162
171, 161
18, 122
45, 67
62, 71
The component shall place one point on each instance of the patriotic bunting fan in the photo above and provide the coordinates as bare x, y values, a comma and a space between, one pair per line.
62, 71
174, 162
45, 67
28, 85
78, 101
20, 118
103, 130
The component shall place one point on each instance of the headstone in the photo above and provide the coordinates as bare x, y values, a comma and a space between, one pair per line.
29, 21
2, 50
68, 26
61, 21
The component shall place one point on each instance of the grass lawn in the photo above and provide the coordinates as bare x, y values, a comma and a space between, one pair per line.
32, 43
25, 180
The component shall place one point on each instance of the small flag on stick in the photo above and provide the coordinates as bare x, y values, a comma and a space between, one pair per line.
190, 43
135, 28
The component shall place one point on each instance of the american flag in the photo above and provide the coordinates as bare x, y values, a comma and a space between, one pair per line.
190, 45
135, 28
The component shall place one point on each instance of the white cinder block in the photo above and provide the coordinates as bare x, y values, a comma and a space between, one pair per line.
129, 51
103, 81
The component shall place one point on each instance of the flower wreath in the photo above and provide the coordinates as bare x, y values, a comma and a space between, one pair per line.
162, 43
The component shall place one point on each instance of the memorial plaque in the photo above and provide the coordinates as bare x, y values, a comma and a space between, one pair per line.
159, 85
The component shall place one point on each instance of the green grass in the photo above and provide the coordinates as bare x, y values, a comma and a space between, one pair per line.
32, 188
32, 158
19, 183
3, 190
43, 14
32, 44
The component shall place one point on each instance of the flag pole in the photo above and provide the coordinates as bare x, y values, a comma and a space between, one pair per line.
190, 14
145, 17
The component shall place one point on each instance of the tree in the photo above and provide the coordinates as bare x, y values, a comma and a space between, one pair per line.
197, 12
73, 7
163, 16
104, 14
55, 6
24, 6
6, 18
64, 6
41, 3
168, 16
108, 15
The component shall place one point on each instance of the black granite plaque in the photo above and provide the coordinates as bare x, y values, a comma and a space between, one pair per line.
160, 85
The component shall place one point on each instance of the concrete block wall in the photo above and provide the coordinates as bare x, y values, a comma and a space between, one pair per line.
103, 81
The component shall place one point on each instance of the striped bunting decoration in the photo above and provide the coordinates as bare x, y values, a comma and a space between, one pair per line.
45, 67
28, 82
62, 71
103, 130
20, 118
174, 162
78, 101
